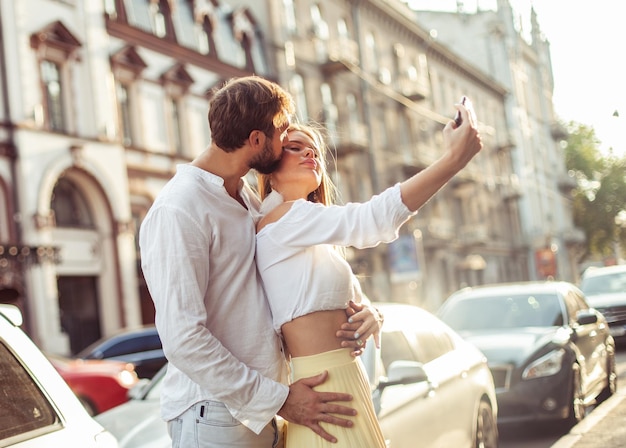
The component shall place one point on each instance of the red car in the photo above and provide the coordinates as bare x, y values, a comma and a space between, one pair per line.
99, 384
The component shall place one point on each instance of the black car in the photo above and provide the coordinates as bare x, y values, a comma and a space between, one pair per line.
139, 346
550, 354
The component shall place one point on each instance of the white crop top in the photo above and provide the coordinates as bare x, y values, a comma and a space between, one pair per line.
301, 270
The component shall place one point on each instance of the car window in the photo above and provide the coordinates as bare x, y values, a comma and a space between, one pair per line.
23, 406
133, 345
604, 284
395, 347
512, 311
433, 344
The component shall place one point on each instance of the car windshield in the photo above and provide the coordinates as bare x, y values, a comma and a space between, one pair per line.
604, 284
500, 312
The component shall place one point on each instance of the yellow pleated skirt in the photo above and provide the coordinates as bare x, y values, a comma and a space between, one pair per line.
345, 374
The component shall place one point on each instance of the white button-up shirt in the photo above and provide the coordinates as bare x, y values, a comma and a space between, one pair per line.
197, 251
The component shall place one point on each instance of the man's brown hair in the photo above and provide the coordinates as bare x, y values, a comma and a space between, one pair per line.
245, 104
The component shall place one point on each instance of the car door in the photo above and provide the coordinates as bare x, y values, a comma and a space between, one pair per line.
410, 415
588, 340
454, 394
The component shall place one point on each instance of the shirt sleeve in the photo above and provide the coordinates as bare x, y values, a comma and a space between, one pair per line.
176, 267
359, 225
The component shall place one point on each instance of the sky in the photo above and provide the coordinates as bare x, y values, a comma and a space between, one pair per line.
588, 59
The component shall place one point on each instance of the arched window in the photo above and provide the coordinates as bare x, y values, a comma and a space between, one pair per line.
70, 206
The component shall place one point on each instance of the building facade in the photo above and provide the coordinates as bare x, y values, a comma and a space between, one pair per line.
519, 59
100, 101
384, 88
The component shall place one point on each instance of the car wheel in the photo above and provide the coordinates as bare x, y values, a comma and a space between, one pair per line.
486, 427
611, 386
577, 400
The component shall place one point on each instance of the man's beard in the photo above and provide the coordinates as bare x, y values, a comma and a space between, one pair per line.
266, 162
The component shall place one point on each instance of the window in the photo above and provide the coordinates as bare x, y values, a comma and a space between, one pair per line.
395, 347
127, 66
329, 108
206, 43
176, 83
320, 27
56, 49
23, 407
70, 207
53, 95
126, 116
159, 15
290, 17
371, 51
185, 24
296, 86
175, 120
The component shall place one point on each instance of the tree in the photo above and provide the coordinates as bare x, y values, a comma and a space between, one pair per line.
600, 198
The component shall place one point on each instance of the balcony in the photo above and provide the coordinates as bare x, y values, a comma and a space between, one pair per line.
437, 232
510, 189
566, 183
574, 236
351, 139
413, 89
341, 54
558, 132
473, 235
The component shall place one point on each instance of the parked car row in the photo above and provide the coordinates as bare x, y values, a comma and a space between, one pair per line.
551, 355
430, 389
99, 384
37, 407
491, 355
139, 346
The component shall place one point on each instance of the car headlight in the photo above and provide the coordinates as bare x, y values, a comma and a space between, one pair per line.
547, 365
127, 378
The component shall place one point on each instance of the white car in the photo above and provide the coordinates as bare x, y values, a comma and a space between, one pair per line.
429, 386
37, 407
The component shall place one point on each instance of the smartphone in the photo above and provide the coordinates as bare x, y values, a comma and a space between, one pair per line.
457, 118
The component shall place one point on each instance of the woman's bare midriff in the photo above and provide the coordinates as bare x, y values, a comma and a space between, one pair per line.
313, 333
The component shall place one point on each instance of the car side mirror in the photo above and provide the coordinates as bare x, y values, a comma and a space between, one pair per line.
586, 317
403, 372
138, 391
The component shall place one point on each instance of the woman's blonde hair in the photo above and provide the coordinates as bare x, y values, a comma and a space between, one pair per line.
326, 192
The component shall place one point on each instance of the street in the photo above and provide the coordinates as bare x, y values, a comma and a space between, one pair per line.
544, 437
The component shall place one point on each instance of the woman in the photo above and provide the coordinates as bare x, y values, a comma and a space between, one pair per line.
307, 281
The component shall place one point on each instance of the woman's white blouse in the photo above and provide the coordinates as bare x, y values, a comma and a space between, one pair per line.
297, 259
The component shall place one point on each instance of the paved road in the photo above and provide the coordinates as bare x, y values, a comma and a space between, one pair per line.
545, 437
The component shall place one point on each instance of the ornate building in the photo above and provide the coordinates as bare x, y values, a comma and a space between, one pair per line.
519, 59
100, 101
384, 88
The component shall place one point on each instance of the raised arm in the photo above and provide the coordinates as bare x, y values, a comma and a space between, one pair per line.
461, 144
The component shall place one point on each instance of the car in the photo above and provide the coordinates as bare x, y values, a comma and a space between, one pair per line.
430, 389
99, 384
551, 355
139, 346
37, 407
605, 288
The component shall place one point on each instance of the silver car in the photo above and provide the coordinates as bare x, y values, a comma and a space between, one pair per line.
37, 407
429, 386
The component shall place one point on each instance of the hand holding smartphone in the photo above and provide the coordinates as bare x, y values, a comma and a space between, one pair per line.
457, 118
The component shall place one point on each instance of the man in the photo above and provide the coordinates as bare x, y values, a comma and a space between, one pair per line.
223, 385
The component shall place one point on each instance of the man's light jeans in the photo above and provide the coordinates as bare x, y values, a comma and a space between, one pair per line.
208, 424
